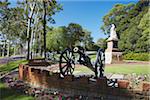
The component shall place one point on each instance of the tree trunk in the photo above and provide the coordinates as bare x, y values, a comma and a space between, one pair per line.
31, 43
3, 53
29, 29
28, 37
39, 47
8, 48
44, 27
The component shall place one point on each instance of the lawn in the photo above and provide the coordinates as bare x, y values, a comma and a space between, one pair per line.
11, 65
5, 92
128, 68
10, 94
125, 68
120, 69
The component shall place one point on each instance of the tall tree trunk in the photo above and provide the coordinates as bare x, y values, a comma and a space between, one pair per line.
44, 27
31, 43
8, 48
32, 6
3, 53
39, 41
28, 38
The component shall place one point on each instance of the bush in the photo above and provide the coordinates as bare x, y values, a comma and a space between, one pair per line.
137, 56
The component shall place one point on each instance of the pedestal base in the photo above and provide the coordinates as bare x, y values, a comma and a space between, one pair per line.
108, 57
113, 57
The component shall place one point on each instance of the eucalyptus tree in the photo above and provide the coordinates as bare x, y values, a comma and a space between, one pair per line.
10, 20
30, 7
50, 7
40, 11
3, 18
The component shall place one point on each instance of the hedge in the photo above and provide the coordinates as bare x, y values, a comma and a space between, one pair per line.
137, 56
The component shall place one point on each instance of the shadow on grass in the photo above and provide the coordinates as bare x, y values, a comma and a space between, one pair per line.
7, 93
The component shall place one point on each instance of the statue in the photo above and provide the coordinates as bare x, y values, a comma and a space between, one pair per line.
113, 35
112, 53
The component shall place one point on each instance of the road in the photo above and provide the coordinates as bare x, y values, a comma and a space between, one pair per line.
12, 58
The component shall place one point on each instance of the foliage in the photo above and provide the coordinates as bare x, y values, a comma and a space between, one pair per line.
57, 39
137, 56
132, 21
39, 13
73, 35
87, 40
102, 43
144, 40
26, 22
10, 20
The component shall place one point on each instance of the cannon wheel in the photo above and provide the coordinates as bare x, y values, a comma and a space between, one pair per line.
67, 62
99, 64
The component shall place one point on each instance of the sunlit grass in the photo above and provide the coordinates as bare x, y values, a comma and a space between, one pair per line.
128, 68
119, 69
11, 65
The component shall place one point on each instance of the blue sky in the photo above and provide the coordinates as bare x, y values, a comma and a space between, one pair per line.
87, 13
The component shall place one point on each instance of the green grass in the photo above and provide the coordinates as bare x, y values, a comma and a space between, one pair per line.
128, 68
10, 94
82, 69
92, 57
5, 92
120, 69
11, 65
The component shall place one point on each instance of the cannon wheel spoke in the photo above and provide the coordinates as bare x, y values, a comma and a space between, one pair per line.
66, 64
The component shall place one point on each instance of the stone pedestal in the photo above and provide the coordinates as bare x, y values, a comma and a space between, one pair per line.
112, 53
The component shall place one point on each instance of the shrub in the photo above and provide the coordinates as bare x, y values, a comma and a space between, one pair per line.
137, 56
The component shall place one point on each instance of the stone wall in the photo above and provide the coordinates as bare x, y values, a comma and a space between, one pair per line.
81, 85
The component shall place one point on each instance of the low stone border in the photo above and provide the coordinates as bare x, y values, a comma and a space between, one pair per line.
3, 75
80, 85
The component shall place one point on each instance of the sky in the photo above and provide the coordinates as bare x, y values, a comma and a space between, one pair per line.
87, 13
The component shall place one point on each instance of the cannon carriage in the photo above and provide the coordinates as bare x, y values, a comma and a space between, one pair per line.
77, 56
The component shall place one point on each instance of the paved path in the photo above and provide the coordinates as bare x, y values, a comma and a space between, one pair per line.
12, 58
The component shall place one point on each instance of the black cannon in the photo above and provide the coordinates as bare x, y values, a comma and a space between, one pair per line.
70, 57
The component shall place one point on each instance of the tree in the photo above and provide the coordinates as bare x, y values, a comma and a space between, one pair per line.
30, 12
57, 39
144, 40
75, 34
102, 43
87, 40
50, 7
10, 20
42, 11
127, 19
